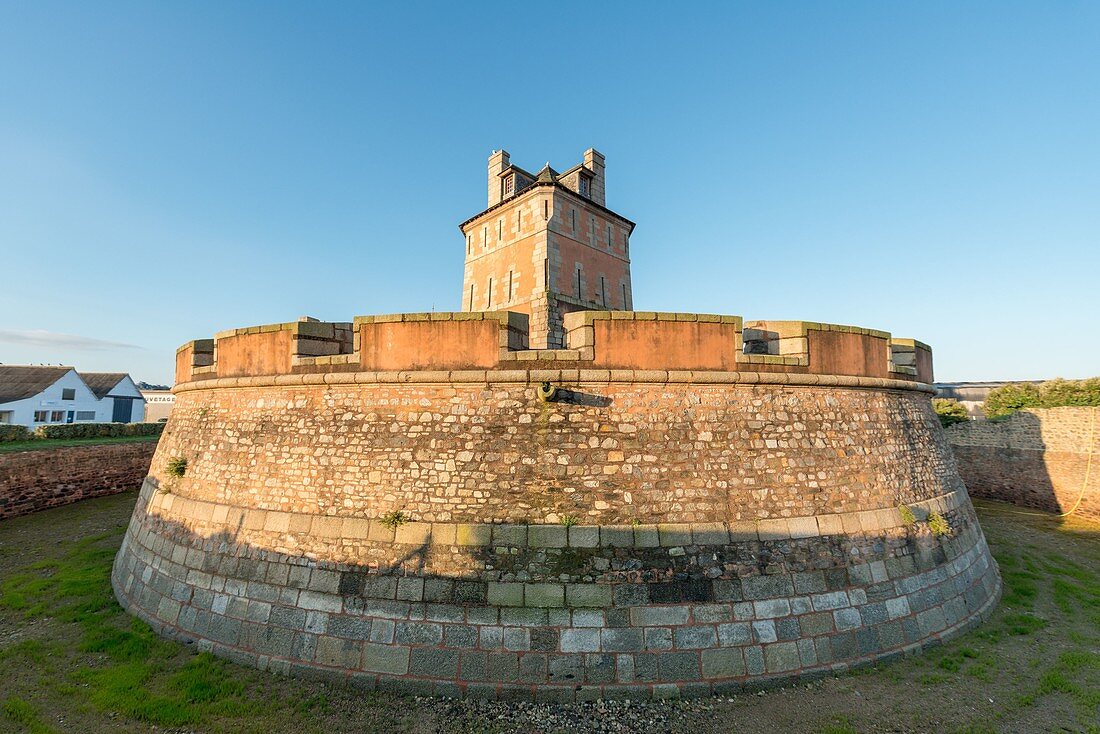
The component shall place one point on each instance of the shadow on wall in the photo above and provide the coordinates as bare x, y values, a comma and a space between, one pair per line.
408, 624
1033, 458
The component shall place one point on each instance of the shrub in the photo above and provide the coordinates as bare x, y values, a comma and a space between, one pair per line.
1052, 394
177, 467
938, 524
14, 433
393, 519
907, 517
950, 411
98, 430
569, 520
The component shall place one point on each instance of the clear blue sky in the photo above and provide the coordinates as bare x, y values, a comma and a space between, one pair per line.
168, 170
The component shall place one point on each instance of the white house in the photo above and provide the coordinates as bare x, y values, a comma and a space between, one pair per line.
36, 395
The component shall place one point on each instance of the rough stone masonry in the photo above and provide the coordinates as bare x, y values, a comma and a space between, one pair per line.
665, 505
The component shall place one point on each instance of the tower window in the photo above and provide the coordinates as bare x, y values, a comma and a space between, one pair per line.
578, 282
546, 273
500, 229
584, 185
484, 237
469, 244
545, 209
519, 220
511, 280
573, 214
509, 185
625, 303
609, 241
489, 296
603, 291
471, 296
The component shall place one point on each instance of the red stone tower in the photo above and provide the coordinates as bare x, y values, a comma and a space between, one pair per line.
547, 245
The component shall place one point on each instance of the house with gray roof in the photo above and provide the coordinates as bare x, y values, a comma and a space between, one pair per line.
37, 395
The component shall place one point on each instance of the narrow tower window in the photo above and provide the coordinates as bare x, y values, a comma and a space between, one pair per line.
625, 304
489, 299
609, 241
519, 220
545, 209
578, 282
471, 307
511, 279
546, 273
500, 229
573, 214
603, 291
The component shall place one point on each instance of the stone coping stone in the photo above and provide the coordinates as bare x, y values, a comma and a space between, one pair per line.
568, 378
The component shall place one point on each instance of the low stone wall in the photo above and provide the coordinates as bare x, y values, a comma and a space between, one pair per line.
37, 480
1034, 458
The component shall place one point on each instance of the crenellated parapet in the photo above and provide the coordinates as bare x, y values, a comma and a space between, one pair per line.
594, 340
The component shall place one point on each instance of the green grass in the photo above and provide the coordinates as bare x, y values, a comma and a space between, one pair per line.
53, 443
18, 711
124, 668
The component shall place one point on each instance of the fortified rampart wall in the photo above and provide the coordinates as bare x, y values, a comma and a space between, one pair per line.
622, 340
1047, 458
43, 478
701, 505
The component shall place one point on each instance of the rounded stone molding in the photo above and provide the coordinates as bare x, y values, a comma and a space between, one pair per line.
647, 534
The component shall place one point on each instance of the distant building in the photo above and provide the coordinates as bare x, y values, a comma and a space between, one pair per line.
973, 394
158, 404
32, 396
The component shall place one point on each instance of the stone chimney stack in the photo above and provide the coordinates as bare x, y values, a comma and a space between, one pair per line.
498, 161
594, 161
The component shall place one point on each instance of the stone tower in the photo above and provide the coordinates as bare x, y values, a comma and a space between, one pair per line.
547, 245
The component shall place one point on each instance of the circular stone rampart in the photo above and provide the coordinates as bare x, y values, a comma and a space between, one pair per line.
644, 533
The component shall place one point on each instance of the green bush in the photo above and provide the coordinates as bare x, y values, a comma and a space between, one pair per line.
14, 433
950, 411
98, 430
1053, 394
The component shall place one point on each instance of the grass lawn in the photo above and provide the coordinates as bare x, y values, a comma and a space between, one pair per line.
53, 443
72, 660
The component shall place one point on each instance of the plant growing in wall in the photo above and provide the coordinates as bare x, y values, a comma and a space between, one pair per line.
394, 518
907, 517
938, 524
569, 520
176, 467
